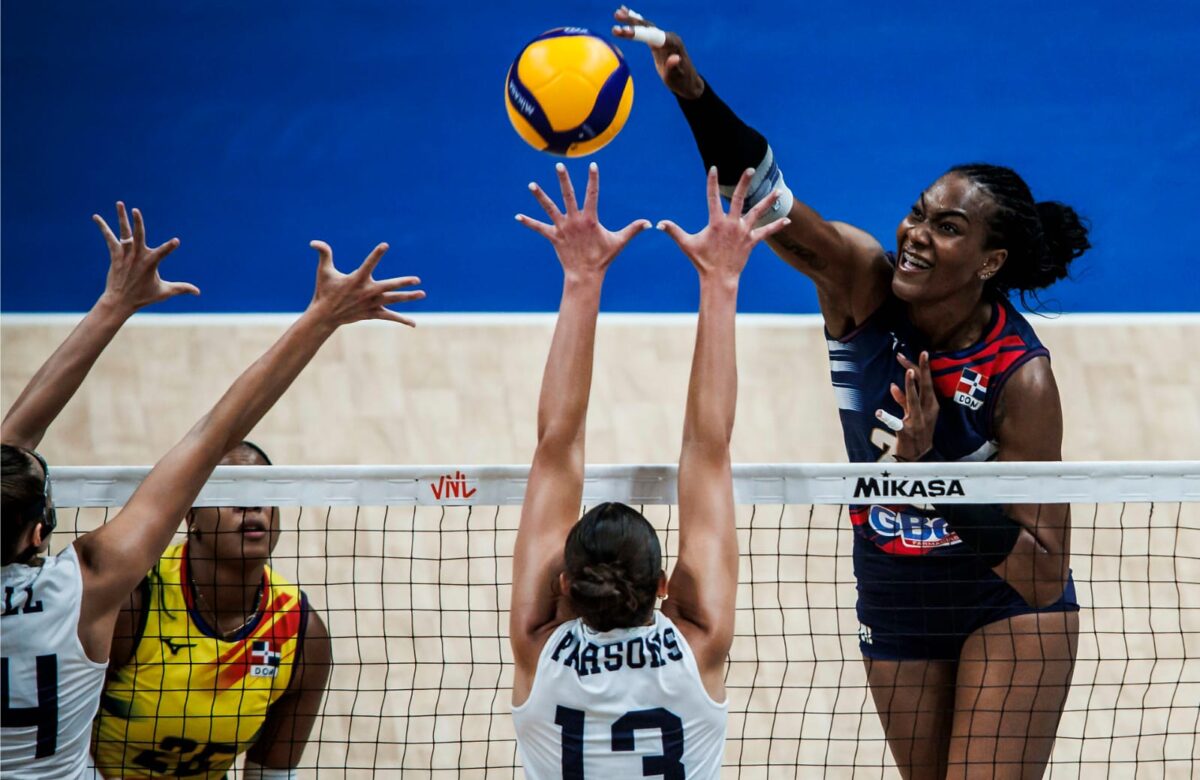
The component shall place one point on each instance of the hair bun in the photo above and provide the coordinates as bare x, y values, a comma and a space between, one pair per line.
604, 582
1066, 236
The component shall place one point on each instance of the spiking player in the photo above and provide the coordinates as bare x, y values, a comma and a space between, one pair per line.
59, 611
968, 613
214, 655
598, 668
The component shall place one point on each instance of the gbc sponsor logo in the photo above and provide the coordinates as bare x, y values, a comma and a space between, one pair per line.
871, 487
914, 530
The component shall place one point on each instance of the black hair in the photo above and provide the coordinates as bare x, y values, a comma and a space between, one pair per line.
613, 561
23, 497
1042, 238
257, 450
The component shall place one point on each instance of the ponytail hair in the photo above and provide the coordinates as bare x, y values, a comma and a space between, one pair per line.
1042, 238
613, 564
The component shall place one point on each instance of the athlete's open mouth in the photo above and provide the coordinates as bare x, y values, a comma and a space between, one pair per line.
913, 264
254, 529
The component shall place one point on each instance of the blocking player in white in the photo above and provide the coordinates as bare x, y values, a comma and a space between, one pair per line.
59, 611
606, 685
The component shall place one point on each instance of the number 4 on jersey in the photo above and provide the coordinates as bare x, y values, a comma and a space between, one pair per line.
43, 716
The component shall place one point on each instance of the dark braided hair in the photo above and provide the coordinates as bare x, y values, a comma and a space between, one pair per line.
613, 561
1042, 238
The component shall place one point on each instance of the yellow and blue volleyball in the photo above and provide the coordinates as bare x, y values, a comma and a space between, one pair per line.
568, 92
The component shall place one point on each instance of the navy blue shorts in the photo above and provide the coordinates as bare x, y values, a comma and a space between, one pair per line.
924, 608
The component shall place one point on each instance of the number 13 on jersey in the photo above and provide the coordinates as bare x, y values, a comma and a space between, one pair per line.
668, 765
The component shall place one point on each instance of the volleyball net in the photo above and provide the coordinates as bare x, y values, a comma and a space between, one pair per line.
411, 569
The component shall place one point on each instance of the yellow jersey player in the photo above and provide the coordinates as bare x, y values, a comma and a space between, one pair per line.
215, 655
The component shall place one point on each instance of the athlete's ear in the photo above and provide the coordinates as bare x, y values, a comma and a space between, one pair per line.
662, 585
564, 585
39, 536
992, 263
191, 523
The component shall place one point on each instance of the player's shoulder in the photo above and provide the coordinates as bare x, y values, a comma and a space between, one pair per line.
1011, 323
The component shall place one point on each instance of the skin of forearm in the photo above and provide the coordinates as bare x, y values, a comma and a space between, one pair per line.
712, 393
562, 407
57, 381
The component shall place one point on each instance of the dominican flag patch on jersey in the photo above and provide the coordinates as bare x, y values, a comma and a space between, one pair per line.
264, 661
971, 389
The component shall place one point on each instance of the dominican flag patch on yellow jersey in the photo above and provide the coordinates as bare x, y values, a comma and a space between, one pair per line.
264, 662
971, 391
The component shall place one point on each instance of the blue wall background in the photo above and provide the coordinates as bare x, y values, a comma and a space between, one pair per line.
249, 128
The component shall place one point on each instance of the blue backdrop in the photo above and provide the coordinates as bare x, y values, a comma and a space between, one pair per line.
249, 128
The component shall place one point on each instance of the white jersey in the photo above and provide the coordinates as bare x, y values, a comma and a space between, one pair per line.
617, 704
51, 688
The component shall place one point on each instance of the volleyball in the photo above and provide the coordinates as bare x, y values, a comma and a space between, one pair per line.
568, 92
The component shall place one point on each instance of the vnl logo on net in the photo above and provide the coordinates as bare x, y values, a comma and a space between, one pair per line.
452, 486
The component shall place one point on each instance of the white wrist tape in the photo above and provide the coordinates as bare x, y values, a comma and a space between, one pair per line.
767, 179
256, 771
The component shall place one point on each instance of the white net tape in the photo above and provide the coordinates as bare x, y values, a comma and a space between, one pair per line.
411, 568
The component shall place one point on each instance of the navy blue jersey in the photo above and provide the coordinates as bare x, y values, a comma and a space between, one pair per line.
968, 381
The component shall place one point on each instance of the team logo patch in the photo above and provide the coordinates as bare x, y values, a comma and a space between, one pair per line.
913, 529
971, 389
864, 634
265, 662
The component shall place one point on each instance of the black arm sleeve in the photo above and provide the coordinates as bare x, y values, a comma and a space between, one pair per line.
723, 140
984, 528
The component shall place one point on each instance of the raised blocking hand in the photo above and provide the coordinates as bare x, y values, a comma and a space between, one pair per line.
341, 298
133, 281
723, 246
584, 246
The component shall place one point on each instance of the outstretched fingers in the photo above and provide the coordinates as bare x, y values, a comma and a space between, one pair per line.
114, 246
738, 200
626, 234
591, 195
548, 205
546, 231
180, 288
766, 231
397, 281
715, 211
139, 230
400, 296
568, 189
324, 255
759, 209
633, 26
123, 221
368, 266
387, 314
677, 234
162, 250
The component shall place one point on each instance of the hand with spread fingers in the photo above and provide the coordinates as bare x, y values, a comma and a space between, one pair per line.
341, 298
722, 248
671, 59
584, 246
133, 281
919, 401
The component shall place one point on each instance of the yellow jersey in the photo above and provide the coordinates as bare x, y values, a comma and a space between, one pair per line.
188, 702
